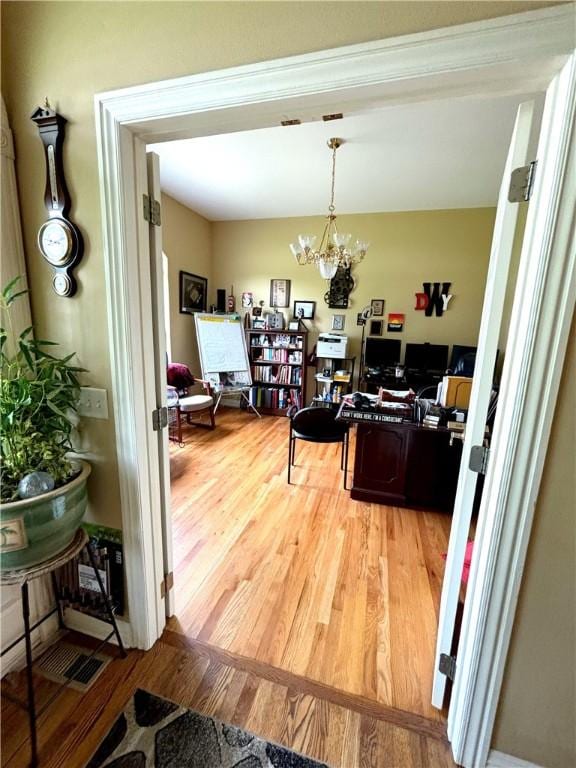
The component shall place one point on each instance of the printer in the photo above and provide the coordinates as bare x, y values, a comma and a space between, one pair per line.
332, 345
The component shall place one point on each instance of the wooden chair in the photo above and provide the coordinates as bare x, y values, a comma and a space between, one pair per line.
317, 425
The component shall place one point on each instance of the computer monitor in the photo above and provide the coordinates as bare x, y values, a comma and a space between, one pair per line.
426, 357
458, 352
380, 353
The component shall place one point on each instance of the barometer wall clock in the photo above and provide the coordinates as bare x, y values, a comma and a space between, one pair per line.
59, 239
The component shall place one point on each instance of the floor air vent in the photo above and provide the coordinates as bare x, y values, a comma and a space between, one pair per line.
64, 662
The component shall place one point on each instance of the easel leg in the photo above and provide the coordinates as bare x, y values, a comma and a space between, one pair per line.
29, 678
217, 402
249, 404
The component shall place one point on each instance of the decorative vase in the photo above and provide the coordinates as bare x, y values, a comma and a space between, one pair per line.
36, 529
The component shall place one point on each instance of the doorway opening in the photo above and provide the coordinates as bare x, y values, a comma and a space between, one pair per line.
303, 579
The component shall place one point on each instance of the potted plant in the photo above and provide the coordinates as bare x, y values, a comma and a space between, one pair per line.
43, 490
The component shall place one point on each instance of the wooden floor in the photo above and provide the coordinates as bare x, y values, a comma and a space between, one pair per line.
303, 616
344, 737
301, 577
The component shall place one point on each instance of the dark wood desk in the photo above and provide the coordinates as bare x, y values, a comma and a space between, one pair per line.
406, 465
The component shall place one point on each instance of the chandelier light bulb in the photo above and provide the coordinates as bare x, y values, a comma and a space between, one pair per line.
333, 251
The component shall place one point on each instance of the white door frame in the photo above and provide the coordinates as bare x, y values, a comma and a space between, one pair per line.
517, 53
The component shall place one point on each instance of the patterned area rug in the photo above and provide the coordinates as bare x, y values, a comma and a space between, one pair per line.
155, 733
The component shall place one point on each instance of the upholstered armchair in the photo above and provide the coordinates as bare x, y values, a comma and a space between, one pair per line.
188, 407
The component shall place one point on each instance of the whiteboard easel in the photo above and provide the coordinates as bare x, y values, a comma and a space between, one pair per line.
223, 356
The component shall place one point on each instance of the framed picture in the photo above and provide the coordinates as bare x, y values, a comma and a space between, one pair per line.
247, 299
279, 293
193, 293
338, 322
256, 311
377, 307
294, 325
304, 310
259, 324
395, 322
375, 327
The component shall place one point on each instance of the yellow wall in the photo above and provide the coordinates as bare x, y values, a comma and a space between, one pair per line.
406, 249
187, 242
537, 714
70, 51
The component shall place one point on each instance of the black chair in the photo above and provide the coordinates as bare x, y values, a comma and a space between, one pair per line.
317, 425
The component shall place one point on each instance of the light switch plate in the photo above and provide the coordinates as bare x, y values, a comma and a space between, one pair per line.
93, 403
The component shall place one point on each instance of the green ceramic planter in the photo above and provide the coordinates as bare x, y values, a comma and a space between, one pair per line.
34, 530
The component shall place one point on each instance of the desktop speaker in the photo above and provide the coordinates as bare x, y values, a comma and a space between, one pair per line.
221, 299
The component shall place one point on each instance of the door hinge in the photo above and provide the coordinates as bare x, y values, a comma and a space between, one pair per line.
166, 584
159, 419
479, 456
152, 211
447, 665
522, 183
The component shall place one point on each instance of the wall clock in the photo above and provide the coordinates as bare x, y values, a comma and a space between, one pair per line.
341, 286
59, 239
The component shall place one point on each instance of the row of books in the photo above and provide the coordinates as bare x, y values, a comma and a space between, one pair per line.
331, 393
280, 355
264, 397
282, 374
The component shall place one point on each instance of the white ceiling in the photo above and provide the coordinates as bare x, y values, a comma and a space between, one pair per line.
430, 155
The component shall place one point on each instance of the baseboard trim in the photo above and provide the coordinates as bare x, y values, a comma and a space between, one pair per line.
434, 729
502, 760
88, 625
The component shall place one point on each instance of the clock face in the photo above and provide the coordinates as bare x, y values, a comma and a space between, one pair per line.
55, 242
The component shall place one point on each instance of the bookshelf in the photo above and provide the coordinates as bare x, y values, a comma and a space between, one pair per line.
278, 367
334, 377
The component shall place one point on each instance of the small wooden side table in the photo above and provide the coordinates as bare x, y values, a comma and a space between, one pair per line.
22, 578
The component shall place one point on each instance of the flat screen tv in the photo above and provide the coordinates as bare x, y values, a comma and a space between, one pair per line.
380, 353
426, 357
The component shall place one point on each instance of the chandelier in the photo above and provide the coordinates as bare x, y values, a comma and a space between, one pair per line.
333, 251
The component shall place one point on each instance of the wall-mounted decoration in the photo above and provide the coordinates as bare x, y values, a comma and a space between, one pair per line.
433, 298
338, 322
247, 299
231, 301
193, 292
257, 311
304, 310
274, 321
376, 327
395, 322
59, 239
341, 286
377, 306
279, 293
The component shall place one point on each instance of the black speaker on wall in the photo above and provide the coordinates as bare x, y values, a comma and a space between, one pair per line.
221, 299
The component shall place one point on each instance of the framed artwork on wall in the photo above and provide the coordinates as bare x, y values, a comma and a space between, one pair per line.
304, 310
377, 306
193, 293
338, 322
279, 293
375, 327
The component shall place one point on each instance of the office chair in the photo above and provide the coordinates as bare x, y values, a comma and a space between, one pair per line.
317, 425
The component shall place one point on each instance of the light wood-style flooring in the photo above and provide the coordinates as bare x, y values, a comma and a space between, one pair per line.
301, 577
344, 737
302, 616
